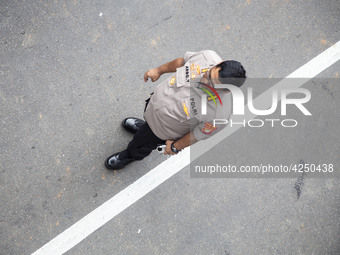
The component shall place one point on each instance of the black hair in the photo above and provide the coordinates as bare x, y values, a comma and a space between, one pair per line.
231, 69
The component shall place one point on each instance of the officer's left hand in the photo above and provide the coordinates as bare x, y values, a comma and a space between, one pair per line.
153, 74
168, 150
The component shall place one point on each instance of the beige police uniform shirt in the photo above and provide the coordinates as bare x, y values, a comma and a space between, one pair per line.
175, 107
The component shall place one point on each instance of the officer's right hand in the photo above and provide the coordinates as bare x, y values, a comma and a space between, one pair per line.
153, 74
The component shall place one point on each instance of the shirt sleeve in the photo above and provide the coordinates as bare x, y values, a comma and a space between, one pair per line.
188, 55
211, 56
205, 130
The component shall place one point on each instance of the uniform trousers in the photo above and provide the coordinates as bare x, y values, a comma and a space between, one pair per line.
143, 142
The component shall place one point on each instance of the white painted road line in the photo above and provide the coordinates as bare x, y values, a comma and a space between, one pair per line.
107, 211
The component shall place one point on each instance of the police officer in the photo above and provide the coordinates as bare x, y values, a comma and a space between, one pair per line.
174, 115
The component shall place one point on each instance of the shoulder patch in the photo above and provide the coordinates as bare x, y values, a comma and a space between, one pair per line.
208, 128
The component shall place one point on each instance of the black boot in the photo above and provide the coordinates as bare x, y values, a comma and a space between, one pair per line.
117, 161
132, 124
